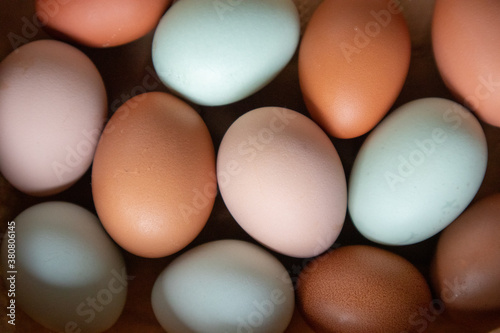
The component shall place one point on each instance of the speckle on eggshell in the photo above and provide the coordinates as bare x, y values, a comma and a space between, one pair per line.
361, 289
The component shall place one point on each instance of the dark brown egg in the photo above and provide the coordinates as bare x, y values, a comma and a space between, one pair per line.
466, 268
362, 289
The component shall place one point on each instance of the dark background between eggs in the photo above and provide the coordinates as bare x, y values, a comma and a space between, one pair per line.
123, 69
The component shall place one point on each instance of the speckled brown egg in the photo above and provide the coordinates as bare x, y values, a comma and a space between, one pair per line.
466, 267
361, 289
153, 177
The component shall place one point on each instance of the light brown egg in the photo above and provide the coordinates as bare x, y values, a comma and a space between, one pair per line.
466, 45
353, 61
100, 23
153, 177
359, 289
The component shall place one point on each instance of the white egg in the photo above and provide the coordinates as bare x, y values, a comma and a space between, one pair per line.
52, 108
416, 172
224, 286
68, 274
219, 52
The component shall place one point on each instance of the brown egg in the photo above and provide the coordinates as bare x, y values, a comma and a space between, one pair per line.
353, 61
362, 289
466, 266
100, 23
466, 45
153, 177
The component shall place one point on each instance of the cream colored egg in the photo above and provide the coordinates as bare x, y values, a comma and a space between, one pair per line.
52, 109
282, 180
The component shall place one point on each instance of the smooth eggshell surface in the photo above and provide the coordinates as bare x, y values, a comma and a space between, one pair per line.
219, 52
52, 109
359, 289
100, 23
70, 275
224, 286
153, 177
466, 270
353, 62
466, 45
282, 180
417, 171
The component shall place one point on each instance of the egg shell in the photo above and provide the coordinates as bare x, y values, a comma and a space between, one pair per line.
100, 23
52, 109
219, 52
68, 274
224, 286
358, 289
416, 172
466, 271
153, 177
282, 180
466, 45
353, 62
